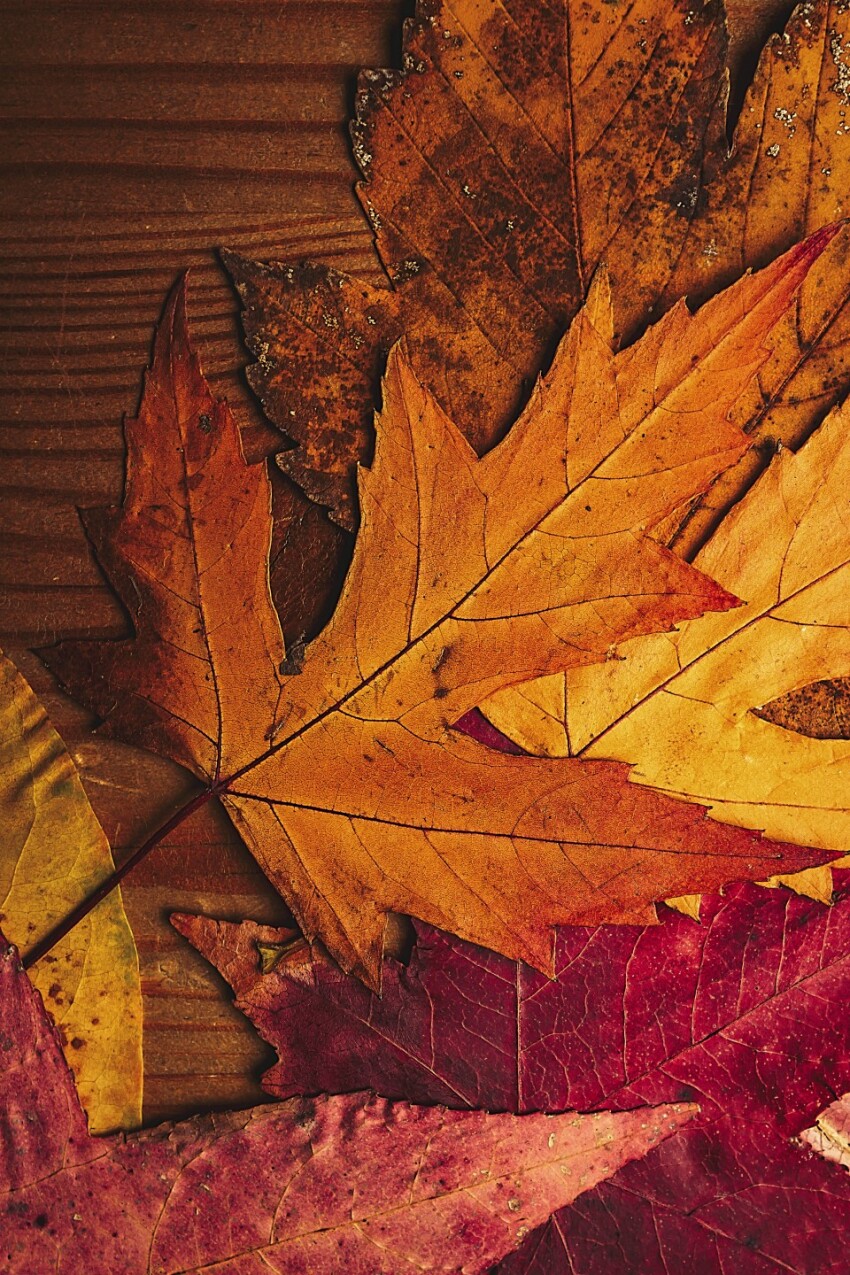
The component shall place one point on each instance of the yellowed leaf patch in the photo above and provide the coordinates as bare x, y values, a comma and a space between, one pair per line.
53, 853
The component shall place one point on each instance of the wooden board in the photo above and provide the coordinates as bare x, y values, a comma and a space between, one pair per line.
136, 138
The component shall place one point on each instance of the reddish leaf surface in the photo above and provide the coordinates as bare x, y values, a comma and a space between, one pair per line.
745, 1013
350, 1183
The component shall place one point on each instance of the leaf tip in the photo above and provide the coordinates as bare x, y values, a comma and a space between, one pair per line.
243, 272
232, 260
399, 362
812, 247
599, 306
183, 922
171, 338
722, 599
798, 261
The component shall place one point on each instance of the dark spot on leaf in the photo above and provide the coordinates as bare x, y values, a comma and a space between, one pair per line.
306, 1113
294, 662
204, 423
441, 659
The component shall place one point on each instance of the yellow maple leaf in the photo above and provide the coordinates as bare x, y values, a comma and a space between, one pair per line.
680, 707
345, 777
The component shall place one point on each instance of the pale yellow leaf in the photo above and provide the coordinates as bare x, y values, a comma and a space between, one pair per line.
53, 852
830, 1134
812, 883
678, 706
687, 904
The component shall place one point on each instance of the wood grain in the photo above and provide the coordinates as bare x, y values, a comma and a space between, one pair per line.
136, 138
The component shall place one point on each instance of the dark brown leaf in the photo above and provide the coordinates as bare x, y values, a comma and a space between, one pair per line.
521, 145
820, 710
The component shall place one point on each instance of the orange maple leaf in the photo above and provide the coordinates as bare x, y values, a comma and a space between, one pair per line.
346, 780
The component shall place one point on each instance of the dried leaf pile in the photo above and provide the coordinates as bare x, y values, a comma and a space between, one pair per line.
591, 654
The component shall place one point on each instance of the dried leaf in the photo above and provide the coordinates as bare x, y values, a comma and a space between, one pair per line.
522, 145
346, 1183
745, 1013
820, 710
787, 175
322, 341
53, 853
830, 1134
681, 707
346, 780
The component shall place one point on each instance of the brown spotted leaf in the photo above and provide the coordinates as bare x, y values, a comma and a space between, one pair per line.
820, 710
787, 175
521, 145
341, 770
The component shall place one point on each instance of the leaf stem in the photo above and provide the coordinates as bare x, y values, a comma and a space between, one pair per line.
472, 723
86, 905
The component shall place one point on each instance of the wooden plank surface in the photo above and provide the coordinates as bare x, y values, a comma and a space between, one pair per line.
136, 138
